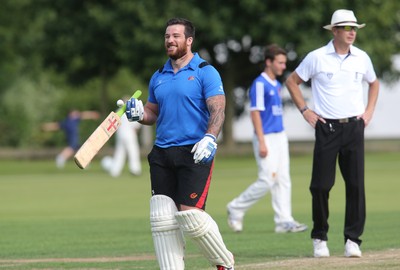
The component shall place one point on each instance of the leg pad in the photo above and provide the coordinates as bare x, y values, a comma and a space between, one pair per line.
168, 239
200, 227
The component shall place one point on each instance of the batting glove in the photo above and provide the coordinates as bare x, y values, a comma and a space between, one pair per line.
134, 110
204, 150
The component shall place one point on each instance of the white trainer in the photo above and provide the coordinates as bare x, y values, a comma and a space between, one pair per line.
293, 226
352, 249
60, 161
235, 224
320, 248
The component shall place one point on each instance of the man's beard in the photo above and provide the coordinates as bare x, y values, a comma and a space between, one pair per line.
180, 52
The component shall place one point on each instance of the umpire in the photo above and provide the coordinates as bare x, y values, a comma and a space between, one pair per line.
339, 117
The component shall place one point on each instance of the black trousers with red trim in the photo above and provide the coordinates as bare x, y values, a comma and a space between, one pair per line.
173, 173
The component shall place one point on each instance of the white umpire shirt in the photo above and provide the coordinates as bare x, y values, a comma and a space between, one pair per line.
336, 80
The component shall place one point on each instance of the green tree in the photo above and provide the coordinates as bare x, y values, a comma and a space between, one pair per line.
80, 42
26, 92
89, 42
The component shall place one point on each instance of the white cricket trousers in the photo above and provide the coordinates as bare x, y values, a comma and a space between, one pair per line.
273, 176
126, 146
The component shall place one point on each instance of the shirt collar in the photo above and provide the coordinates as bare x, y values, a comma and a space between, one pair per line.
193, 64
330, 49
271, 81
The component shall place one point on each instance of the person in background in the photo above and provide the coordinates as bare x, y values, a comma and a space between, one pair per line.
70, 126
271, 149
187, 103
126, 145
337, 72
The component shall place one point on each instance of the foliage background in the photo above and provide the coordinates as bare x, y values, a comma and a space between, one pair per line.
56, 55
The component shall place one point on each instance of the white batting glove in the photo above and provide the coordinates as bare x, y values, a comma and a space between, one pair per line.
134, 110
204, 150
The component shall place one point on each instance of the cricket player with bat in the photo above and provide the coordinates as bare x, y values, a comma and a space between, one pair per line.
186, 102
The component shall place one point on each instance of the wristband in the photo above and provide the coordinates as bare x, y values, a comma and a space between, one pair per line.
211, 136
302, 110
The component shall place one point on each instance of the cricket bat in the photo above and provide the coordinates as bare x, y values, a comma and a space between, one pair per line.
100, 136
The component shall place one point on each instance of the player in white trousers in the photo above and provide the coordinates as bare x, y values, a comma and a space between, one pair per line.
126, 145
271, 150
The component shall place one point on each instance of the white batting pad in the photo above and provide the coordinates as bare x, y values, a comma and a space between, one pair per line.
168, 239
200, 226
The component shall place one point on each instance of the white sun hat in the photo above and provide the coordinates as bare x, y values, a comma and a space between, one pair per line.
343, 17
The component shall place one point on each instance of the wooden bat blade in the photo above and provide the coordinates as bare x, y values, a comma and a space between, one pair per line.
97, 140
100, 136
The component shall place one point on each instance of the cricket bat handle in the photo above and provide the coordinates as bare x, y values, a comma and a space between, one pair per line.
121, 110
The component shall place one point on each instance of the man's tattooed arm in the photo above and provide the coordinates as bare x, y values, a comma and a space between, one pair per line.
216, 107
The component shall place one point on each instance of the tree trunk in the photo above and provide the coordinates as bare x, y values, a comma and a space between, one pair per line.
229, 85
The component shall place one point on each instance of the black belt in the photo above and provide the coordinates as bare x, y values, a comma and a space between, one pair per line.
343, 120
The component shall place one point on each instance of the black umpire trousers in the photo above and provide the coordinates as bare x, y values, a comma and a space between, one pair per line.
342, 142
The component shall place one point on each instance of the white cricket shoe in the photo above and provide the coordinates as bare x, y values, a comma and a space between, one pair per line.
60, 161
320, 248
293, 226
234, 223
352, 249
221, 267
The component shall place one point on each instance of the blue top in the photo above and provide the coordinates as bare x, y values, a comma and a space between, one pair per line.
265, 97
181, 99
70, 125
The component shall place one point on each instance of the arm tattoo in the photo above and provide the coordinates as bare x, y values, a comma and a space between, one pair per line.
216, 107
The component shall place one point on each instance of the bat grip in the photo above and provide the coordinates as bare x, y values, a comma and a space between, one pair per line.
121, 110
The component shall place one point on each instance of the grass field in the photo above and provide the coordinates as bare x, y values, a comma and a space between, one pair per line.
74, 219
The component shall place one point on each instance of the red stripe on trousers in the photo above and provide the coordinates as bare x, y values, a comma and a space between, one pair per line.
203, 196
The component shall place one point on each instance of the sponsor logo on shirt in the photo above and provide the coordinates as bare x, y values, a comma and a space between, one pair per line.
191, 78
276, 110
